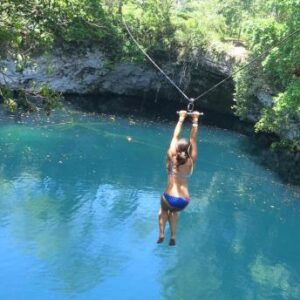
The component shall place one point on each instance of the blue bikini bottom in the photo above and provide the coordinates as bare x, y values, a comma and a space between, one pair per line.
178, 203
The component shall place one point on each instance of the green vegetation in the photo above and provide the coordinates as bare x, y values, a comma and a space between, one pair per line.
169, 30
277, 73
37, 26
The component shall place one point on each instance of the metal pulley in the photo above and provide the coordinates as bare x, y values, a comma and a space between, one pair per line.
190, 106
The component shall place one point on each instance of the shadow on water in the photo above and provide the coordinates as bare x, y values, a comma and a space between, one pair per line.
79, 202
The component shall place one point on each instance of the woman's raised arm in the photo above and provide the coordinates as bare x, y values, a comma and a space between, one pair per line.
193, 135
176, 134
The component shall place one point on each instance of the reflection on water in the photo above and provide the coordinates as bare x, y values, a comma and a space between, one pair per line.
78, 216
70, 234
276, 277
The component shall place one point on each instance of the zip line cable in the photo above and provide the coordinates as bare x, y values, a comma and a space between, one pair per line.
192, 100
248, 64
154, 63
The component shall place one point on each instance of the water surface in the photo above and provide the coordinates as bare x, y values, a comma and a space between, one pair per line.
78, 215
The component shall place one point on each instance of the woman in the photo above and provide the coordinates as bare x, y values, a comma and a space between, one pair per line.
182, 155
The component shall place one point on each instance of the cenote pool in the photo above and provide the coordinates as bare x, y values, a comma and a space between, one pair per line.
78, 215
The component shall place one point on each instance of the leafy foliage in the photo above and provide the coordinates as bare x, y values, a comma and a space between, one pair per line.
278, 73
35, 26
284, 113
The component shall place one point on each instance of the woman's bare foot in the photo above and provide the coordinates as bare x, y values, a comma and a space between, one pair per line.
160, 240
172, 242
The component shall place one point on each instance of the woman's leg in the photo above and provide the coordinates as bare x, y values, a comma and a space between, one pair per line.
173, 218
162, 220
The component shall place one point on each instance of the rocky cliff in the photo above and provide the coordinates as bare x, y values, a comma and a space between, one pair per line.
89, 72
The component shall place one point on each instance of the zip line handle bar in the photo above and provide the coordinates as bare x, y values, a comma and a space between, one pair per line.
189, 113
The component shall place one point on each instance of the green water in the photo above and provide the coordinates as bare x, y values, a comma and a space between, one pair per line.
78, 215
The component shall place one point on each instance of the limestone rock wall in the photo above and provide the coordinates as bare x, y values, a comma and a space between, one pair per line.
89, 71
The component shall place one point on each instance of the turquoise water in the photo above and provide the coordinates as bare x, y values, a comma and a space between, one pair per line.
78, 215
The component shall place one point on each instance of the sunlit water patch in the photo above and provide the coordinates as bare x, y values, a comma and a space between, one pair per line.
79, 196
